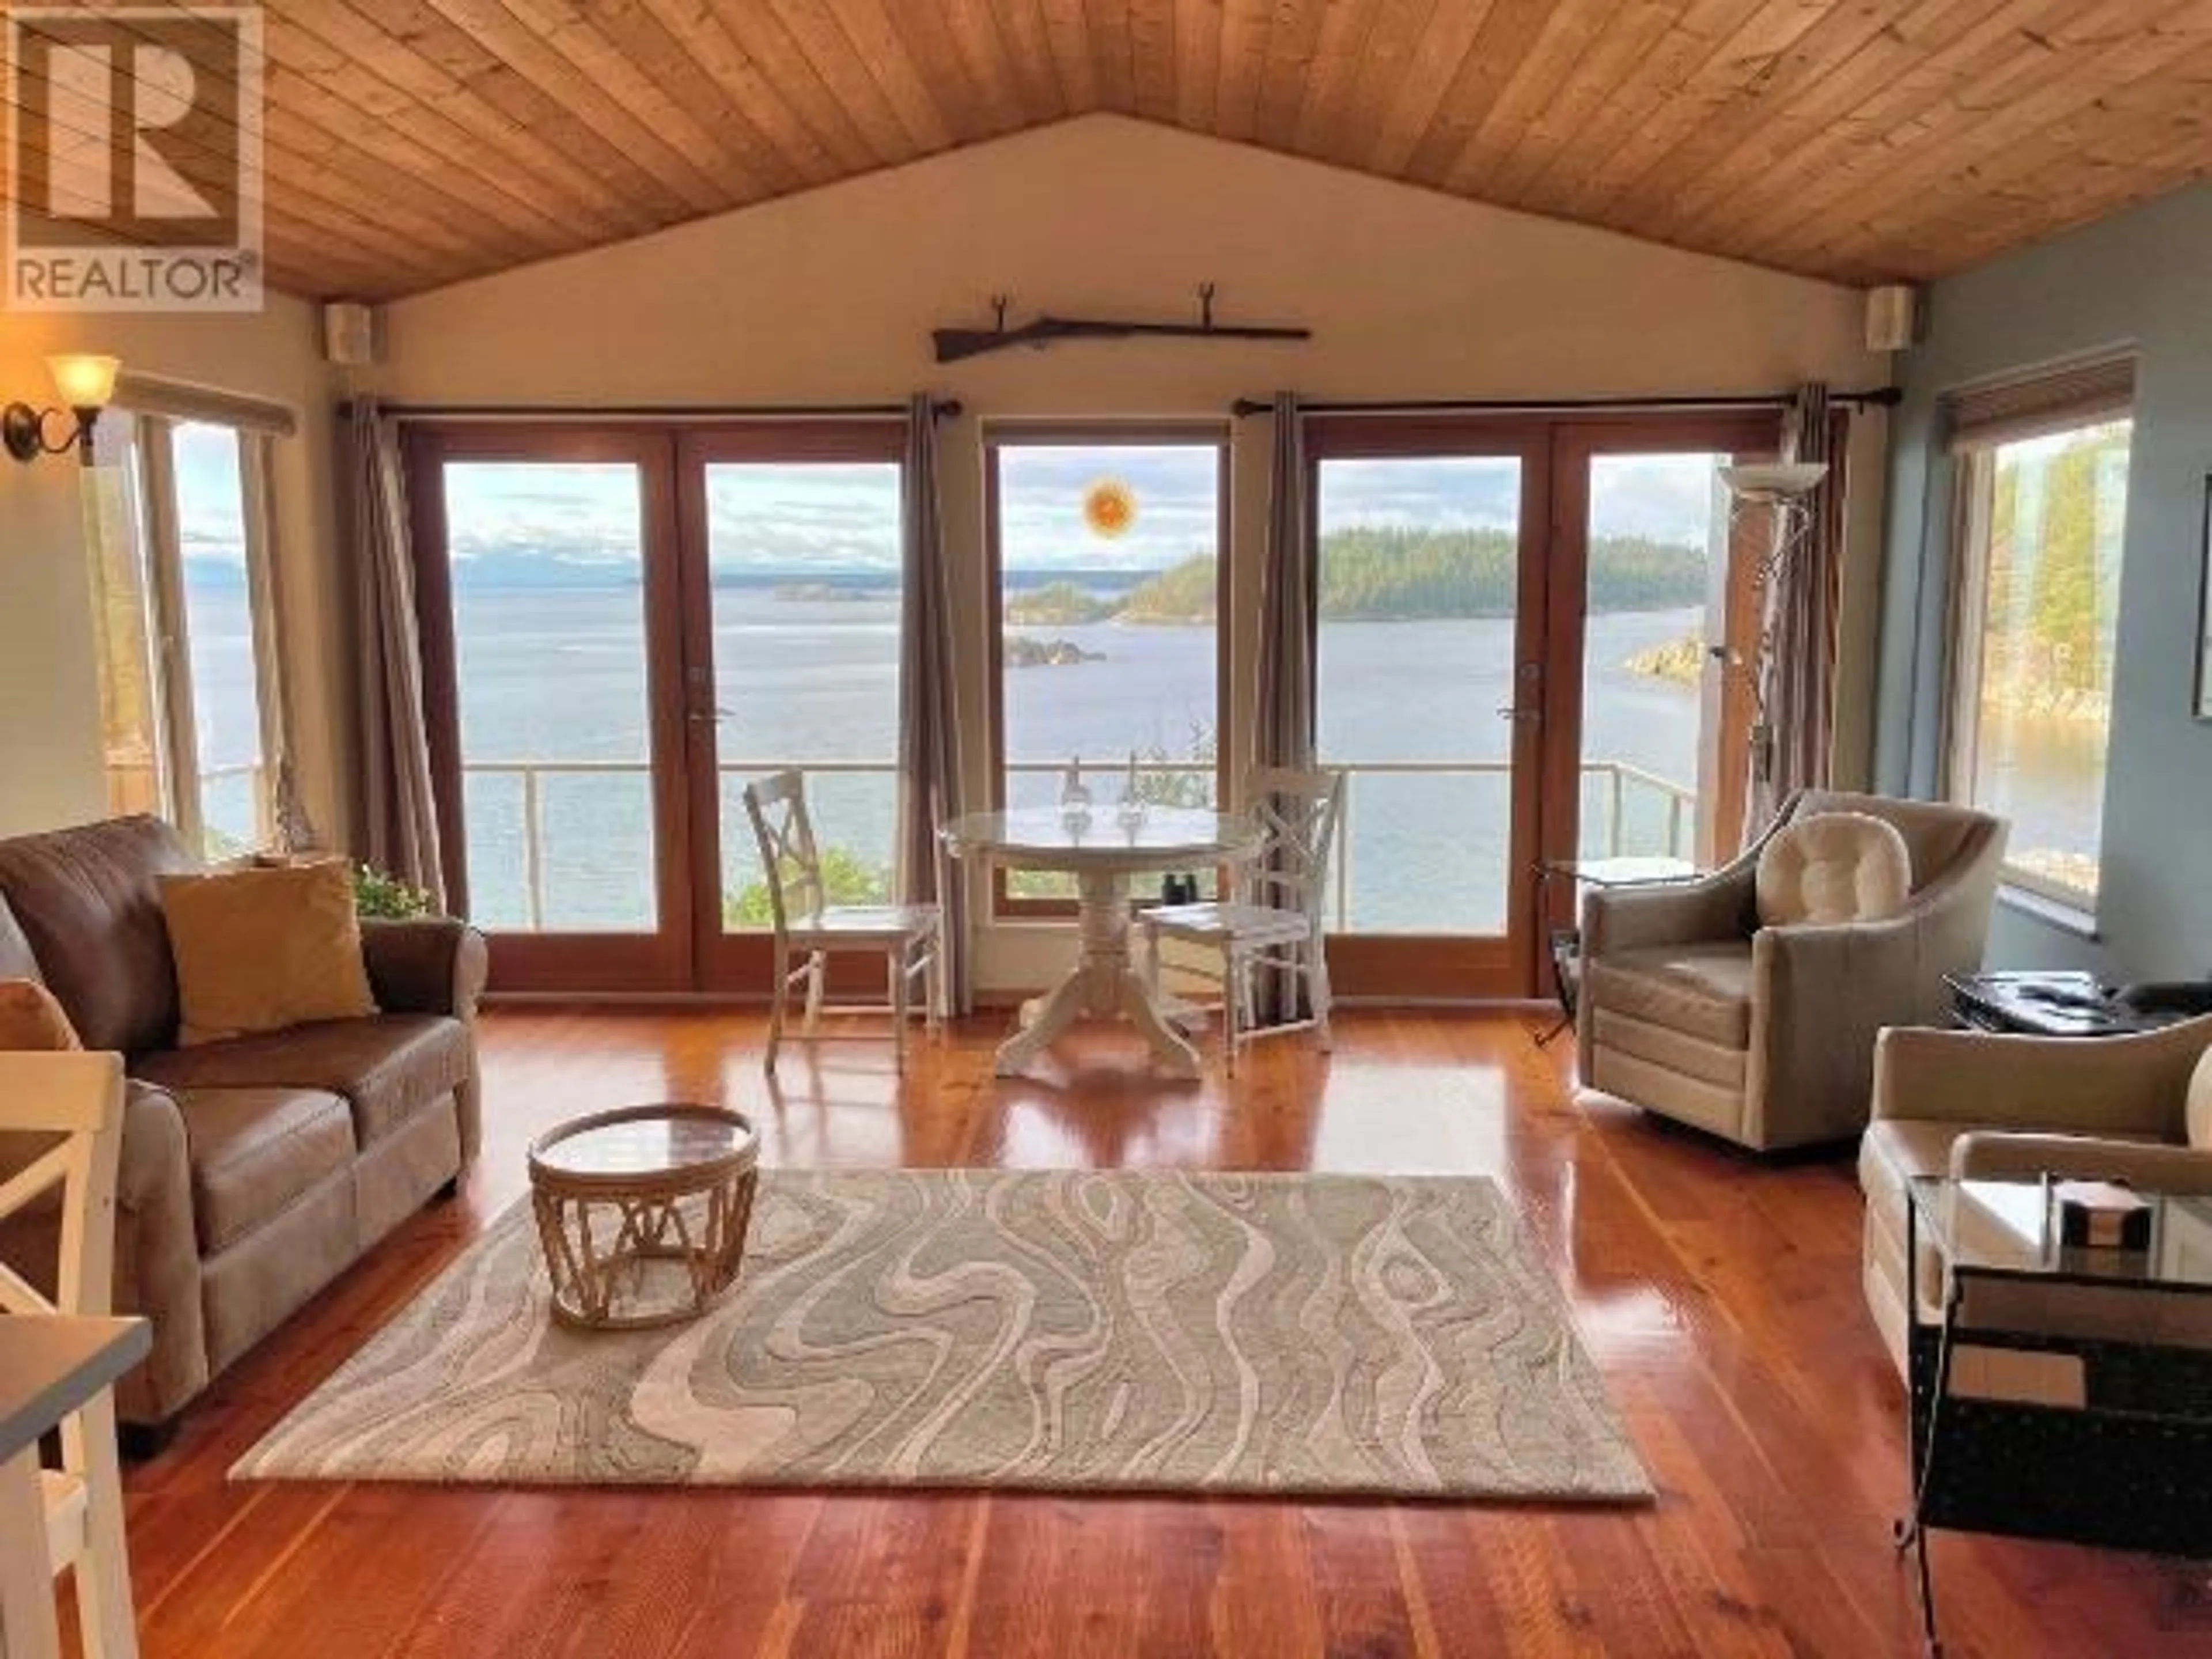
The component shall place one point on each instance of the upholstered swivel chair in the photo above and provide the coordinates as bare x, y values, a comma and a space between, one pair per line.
1764, 1035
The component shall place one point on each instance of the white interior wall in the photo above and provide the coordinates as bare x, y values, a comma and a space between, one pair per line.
829, 296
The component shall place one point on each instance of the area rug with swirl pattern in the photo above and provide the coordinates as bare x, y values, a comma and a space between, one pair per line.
1071, 1331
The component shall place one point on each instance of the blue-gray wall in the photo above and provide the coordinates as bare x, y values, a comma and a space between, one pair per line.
2143, 279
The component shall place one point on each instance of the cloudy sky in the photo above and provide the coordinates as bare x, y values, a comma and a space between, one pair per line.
210, 521
845, 515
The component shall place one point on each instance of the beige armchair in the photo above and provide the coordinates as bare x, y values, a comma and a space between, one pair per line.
1764, 1036
1977, 1105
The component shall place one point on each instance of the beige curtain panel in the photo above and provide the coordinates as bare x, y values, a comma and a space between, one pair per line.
1285, 717
1804, 603
929, 727
398, 801
1288, 598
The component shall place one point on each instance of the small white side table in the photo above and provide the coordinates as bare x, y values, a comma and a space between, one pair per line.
1103, 855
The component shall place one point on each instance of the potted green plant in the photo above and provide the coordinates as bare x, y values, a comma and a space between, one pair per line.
385, 897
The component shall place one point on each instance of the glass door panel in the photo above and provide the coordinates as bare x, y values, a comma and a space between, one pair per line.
549, 647
793, 576
1656, 630
1416, 656
1658, 591
554, 704
804, 583
1429, 685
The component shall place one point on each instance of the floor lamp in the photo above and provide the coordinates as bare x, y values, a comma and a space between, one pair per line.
1783, 489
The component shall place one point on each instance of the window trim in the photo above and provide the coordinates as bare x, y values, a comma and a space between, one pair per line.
1979, 423
997, 435
158, 532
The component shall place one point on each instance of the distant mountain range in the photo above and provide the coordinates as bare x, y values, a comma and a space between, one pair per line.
551, 573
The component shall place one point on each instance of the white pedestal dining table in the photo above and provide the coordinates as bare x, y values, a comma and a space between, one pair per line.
1104, 852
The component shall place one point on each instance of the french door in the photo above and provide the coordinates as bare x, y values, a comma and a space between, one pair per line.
1530, 645
1430, 678
620, 627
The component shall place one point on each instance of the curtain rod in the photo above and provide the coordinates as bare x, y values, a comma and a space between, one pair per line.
1883, 397
943, 407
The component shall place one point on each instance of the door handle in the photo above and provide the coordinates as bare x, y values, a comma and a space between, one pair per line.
707, 716
1522, 715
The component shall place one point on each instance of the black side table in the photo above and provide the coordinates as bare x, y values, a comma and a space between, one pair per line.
1566, 943
2112, 1444
2056, 1002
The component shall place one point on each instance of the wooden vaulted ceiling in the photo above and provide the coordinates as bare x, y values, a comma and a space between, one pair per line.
412, 143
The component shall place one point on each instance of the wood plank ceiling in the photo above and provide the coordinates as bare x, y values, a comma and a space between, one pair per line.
412, 143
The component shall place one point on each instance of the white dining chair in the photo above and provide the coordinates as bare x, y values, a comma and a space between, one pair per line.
1272, 921
811, 930
76, 1100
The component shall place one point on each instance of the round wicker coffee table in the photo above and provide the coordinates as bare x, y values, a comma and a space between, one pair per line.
643, 1211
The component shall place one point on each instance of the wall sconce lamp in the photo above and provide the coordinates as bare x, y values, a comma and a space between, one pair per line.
85, 383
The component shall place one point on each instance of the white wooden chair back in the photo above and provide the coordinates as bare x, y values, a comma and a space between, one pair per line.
1297, 814
789, 859
79, 1099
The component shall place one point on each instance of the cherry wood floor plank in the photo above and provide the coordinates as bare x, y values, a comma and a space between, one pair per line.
1717, 1295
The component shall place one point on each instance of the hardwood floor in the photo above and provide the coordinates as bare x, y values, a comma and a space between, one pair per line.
1720, 1297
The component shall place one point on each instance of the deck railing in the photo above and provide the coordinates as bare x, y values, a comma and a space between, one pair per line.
1621, 785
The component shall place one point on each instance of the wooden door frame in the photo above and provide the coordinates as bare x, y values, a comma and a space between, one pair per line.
658, 961
1164, 433
733, 961
1402, 966
1555, 452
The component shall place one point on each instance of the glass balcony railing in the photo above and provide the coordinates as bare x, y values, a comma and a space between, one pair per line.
568, 845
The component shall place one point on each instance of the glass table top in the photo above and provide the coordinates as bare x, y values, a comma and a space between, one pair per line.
644, 1140
1044, 838
2007, 1229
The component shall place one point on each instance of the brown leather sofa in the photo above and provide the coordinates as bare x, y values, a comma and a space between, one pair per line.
253, 1170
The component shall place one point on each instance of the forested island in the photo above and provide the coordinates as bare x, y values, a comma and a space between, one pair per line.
1382, 573
2055, 582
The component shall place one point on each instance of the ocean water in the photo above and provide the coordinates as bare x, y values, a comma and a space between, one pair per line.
559, 677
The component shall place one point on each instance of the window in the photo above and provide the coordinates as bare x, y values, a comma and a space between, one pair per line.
2041, 512
178, 513
1108, 549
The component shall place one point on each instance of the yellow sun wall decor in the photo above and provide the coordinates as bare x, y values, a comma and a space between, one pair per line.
1110, 507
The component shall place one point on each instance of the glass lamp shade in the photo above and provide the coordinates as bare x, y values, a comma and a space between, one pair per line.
1774, 481
84, 380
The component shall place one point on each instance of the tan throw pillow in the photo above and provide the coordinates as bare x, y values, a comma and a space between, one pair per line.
2200, 1102
260, 950
1833, 867
30, 1018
